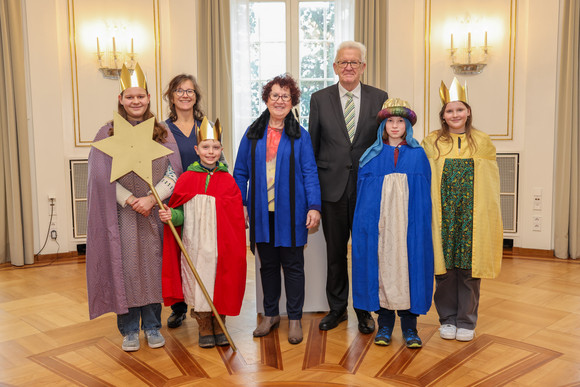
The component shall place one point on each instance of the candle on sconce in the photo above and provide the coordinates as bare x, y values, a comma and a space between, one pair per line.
114, 47
133, 53
468, 41
485, 41
98, 48
451, 42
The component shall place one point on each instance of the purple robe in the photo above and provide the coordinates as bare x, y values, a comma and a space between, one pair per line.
112, 256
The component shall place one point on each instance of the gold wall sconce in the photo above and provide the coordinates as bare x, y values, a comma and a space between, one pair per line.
111, 59
469, 59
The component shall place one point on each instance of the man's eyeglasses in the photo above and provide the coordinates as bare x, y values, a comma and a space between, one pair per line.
354, 65
275, 97
189, 92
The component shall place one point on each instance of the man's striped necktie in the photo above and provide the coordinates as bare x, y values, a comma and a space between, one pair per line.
349, 115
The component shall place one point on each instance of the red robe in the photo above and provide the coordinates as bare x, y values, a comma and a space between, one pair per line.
230, 282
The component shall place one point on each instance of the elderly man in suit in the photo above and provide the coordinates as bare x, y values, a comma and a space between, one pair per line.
342, 126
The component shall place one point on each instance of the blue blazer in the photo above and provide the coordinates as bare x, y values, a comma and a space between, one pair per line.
307, 187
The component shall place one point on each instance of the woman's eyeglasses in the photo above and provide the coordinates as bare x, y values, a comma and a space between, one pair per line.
275, 97
189, 92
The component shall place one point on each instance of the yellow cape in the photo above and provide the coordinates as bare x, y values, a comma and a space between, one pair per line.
487, 224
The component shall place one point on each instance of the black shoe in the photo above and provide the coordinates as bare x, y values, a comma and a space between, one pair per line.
175, 319
383, 336
221, 340
412, 339
332, 319
207, 341
366, 324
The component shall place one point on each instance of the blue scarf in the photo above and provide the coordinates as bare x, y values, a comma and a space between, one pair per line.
377, 146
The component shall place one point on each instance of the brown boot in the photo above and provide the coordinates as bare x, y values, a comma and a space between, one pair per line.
266, 325
206, 337
220, 336
294, 331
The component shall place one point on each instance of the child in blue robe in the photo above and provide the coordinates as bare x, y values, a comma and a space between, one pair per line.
392, 248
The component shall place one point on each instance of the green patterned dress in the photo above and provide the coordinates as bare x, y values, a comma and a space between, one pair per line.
457, 212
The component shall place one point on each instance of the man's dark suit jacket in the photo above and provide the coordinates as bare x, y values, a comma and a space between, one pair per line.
335, 155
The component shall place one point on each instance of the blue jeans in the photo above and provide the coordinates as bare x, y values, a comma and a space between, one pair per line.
150, 316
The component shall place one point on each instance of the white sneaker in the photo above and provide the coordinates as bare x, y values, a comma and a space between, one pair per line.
154, 338
465, 334
131, 342
447, 331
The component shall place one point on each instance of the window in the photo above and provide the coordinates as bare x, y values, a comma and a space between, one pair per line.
316, 40
274, 37
267, 48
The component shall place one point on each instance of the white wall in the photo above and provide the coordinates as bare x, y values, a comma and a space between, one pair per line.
178, 38
537, 120
52, 126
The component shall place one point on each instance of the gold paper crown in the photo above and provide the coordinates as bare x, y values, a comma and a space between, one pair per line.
127, 80
394, 102
456, 92
207, 132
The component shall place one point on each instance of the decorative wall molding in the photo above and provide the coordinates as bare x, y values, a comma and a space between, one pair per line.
491, 93
87, 20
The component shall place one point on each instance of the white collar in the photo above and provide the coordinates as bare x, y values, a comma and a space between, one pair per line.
356, 91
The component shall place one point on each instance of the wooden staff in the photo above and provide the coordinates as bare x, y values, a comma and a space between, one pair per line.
196, 275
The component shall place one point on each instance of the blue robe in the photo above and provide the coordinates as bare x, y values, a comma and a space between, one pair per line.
413, 163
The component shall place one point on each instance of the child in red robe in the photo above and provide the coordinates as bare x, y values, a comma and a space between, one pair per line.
207, 204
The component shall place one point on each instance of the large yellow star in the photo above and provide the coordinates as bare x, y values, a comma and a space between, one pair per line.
132, 149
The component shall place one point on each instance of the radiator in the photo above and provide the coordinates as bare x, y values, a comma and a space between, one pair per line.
78, 179
508, 164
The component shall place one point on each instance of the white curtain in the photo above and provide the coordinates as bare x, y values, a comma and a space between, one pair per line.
213, 65
240, 32
371, 30
344, 26
16, 225
567, 180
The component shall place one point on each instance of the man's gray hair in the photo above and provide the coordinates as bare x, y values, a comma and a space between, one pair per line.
352, 44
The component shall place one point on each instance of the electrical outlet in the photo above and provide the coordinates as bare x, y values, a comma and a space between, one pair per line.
537, 196
537, 202
53, 228
51, 205
536, 223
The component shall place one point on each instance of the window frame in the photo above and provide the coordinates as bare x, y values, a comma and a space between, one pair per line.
292, 10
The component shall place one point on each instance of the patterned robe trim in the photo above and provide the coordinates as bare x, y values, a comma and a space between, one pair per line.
394, 291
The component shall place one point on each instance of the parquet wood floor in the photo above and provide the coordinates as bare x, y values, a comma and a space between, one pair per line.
528, 334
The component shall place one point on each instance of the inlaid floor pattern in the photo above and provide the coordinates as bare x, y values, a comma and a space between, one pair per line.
528, 334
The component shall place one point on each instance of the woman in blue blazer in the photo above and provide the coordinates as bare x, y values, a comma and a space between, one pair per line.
277, 175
